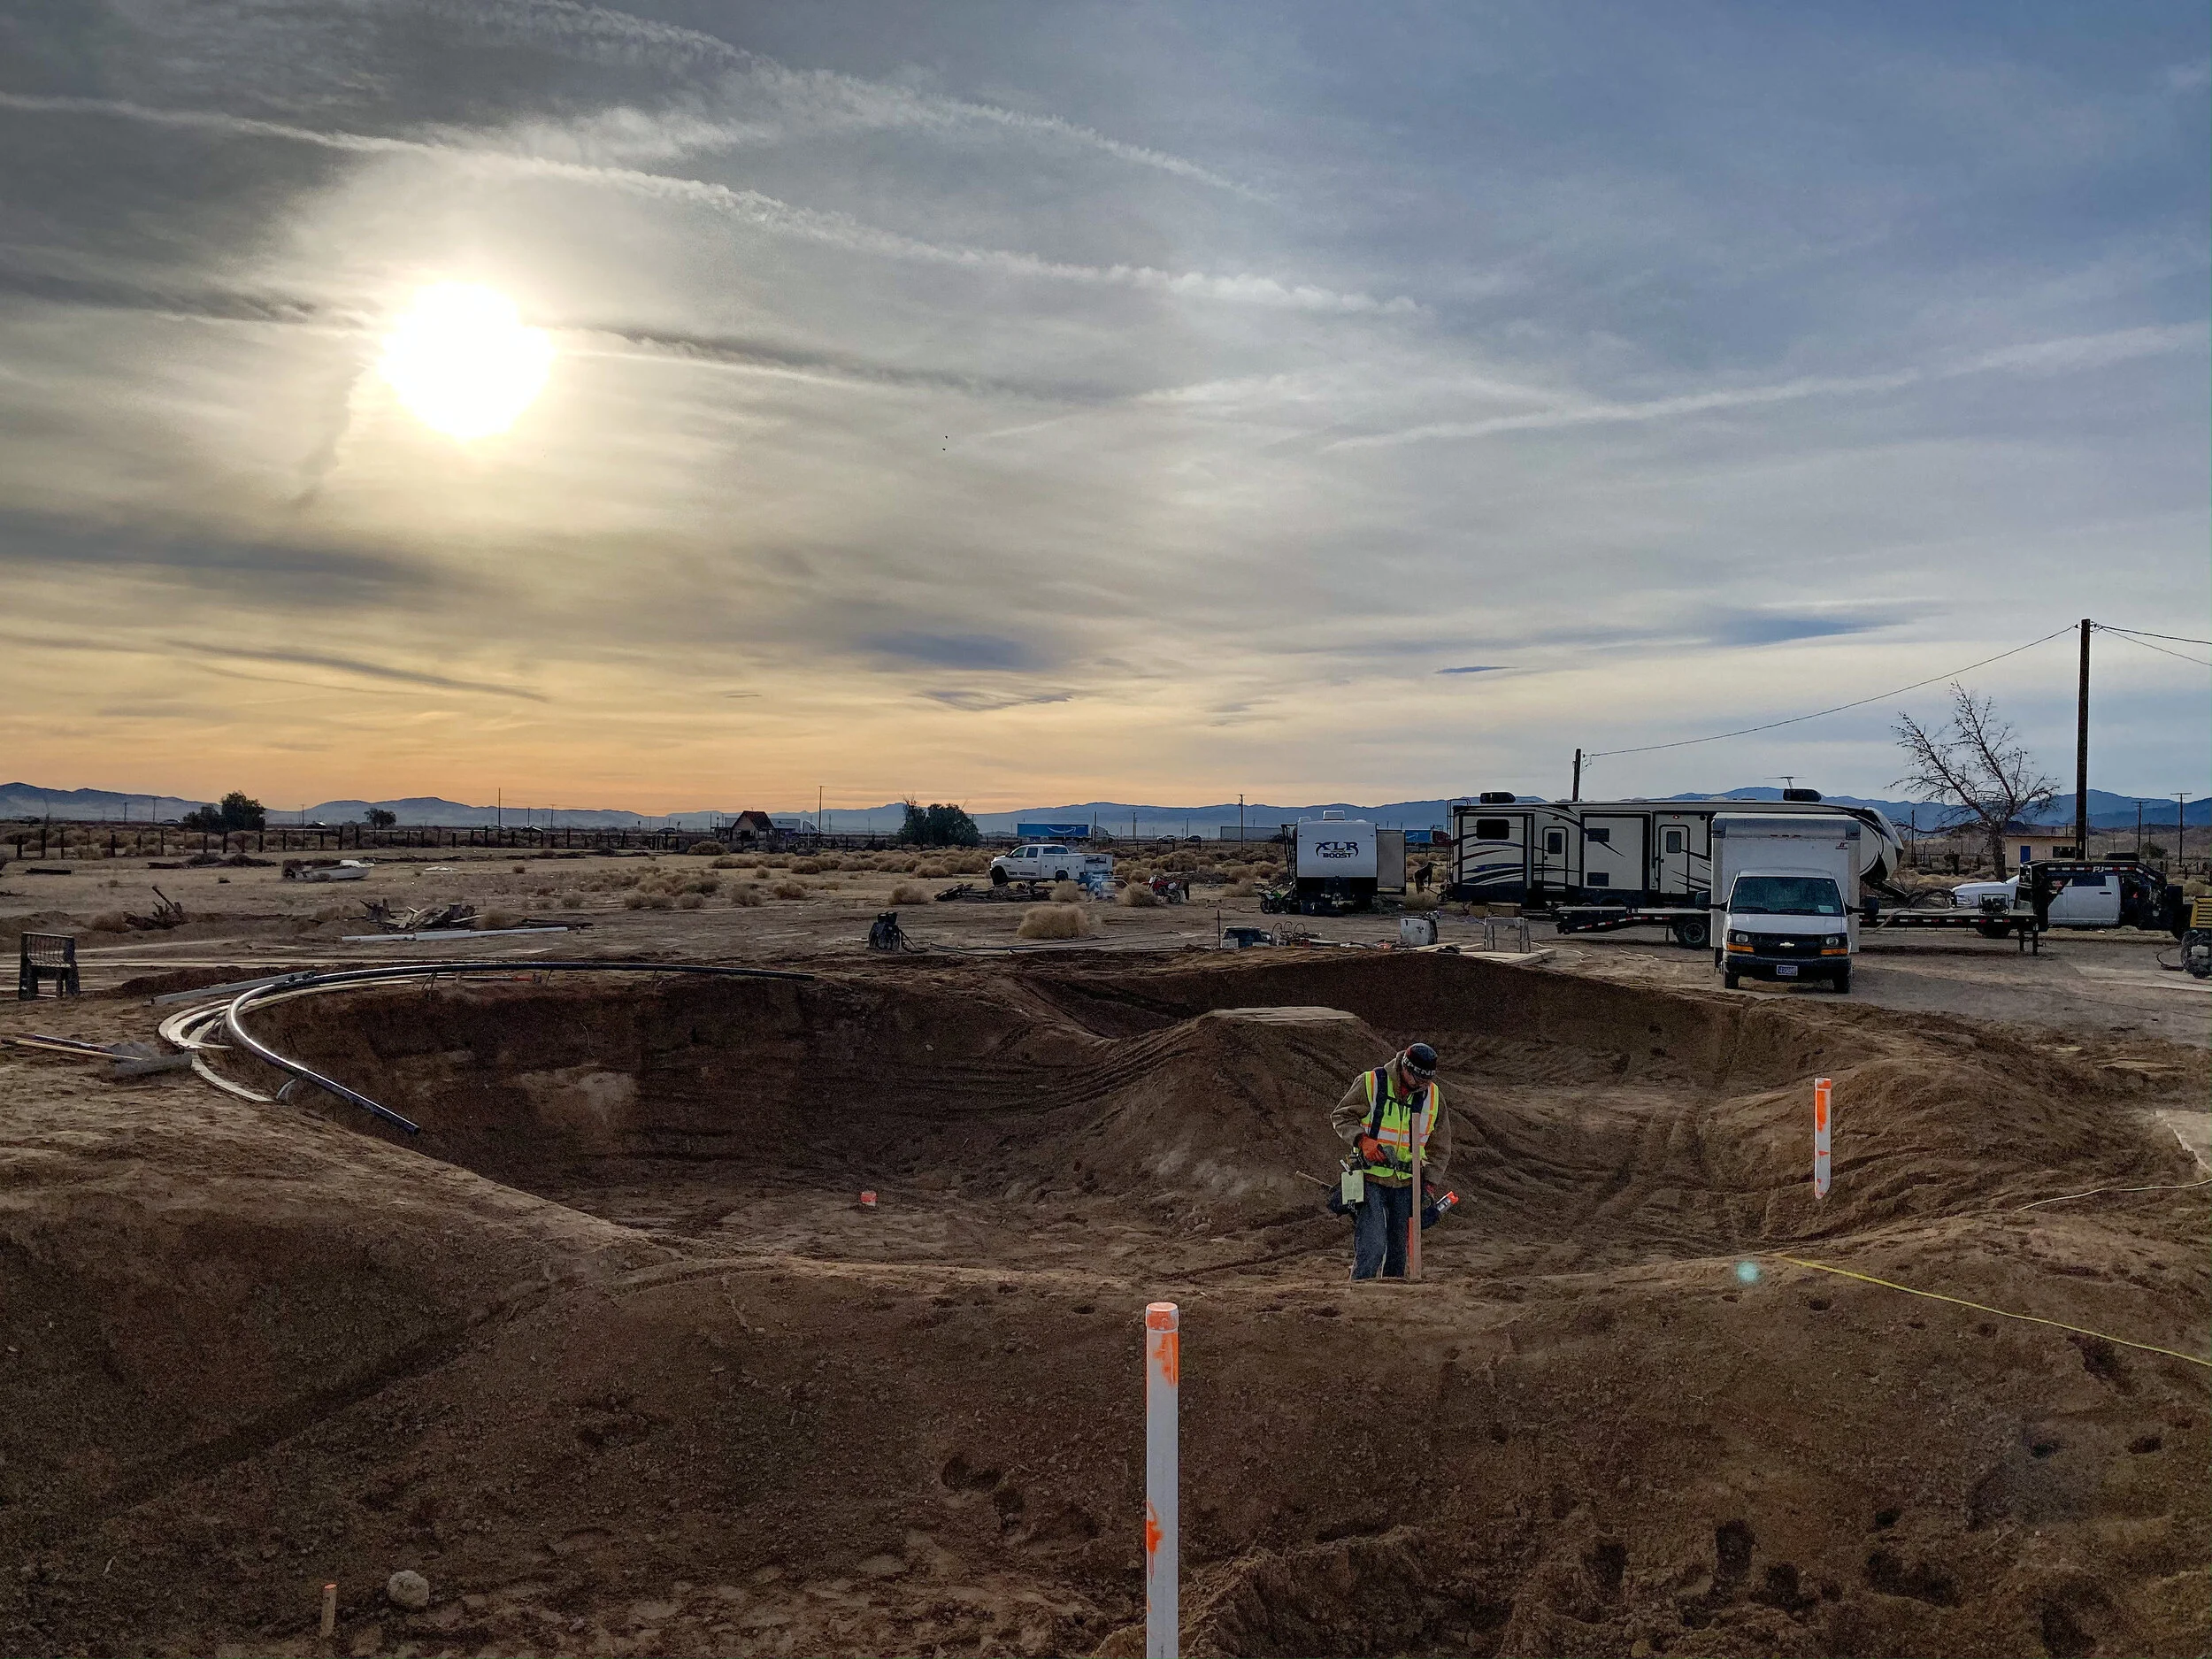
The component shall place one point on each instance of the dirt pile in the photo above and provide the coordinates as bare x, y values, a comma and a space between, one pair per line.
703, 1403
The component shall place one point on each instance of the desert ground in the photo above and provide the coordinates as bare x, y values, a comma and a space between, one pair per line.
612, 1354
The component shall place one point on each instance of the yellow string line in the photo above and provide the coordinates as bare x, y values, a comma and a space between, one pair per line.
2002, 1313
2186, 1186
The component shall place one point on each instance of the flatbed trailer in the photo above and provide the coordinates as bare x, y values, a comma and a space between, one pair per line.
2020, 921
1692, 925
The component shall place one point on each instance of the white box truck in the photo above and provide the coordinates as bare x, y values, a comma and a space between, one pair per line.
1786, 896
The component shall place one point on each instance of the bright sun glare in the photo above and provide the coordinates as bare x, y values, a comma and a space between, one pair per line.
463, 360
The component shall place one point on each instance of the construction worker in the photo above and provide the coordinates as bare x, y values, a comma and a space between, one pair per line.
1383, 1116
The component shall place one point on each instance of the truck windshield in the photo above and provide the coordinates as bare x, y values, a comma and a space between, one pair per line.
1785, 896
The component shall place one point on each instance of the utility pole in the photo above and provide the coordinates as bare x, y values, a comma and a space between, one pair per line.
2138, 829
2081, 752
1576, 793
1239, 817
2181, 823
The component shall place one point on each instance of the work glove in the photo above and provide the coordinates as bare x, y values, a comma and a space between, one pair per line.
1371, 1148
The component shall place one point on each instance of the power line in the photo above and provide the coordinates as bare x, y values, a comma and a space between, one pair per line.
2178, 638
1686, 742
2161, 650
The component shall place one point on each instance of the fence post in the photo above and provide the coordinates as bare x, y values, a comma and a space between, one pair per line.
1162, 1385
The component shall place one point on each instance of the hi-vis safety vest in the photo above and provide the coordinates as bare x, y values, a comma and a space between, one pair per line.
1391, 1119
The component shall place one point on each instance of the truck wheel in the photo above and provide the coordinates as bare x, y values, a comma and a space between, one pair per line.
1692, 935
999, 878
1843, 981
1730, 978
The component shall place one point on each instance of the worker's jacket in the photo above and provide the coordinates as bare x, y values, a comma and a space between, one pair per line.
1395, 1118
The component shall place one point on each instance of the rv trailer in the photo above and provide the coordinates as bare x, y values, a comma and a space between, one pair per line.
1598, 864
1343, 864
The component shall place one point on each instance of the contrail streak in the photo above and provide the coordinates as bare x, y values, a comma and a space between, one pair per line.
750, 207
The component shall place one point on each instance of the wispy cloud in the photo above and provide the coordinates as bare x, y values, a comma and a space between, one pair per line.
753, 208
350, 665
987, 702
825, 100
2070, 354
952, 651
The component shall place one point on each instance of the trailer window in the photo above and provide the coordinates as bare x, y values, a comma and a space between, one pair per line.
1603, 837
1493, 829
1555, 841
1785, 896
1674, 841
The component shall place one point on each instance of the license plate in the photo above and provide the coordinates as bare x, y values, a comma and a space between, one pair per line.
1785, 971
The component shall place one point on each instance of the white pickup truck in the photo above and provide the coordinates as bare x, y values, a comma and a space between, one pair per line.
1048, 860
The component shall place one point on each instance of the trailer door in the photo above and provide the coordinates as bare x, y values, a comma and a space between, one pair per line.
1683, 861
1551, 859
1390, 861
1613, 857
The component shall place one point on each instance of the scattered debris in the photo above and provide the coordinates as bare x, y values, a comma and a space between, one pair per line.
47, 869
167, 913
132, 1059
458, 933
326, 869
1001, 892
425, 918
409, 1589
234, 861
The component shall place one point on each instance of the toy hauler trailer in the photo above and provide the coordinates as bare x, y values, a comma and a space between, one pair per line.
1343, 864
1597, 865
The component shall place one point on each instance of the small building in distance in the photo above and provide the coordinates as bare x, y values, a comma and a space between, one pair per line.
2031, 844
748, 826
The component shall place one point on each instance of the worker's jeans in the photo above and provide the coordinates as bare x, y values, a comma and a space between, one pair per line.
1379, 1232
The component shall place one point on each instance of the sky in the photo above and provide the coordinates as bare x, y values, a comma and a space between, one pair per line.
1013, 403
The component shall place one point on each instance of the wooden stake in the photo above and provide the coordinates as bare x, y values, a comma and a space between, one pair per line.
330, 1611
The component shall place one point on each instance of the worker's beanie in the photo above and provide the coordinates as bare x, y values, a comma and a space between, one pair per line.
1421, 1060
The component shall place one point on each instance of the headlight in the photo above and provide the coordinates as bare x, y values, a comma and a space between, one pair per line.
1838, 939
1739, 939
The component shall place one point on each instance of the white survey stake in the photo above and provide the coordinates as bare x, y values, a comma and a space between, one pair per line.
1820, 1137
1162, 1477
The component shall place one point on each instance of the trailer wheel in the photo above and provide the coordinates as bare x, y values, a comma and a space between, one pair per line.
1993, 930
1692, 935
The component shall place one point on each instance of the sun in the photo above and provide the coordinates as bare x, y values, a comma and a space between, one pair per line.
464, 362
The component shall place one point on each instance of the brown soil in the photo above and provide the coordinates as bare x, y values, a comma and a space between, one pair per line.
614, 1357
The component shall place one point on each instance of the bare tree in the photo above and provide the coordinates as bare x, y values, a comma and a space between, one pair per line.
1975, 766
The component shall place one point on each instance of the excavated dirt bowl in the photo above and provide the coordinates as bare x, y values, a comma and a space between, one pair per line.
673, 1390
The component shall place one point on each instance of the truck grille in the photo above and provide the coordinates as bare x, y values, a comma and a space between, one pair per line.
1788, 944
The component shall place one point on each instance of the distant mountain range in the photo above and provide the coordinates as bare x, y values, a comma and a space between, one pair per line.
2106, 810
